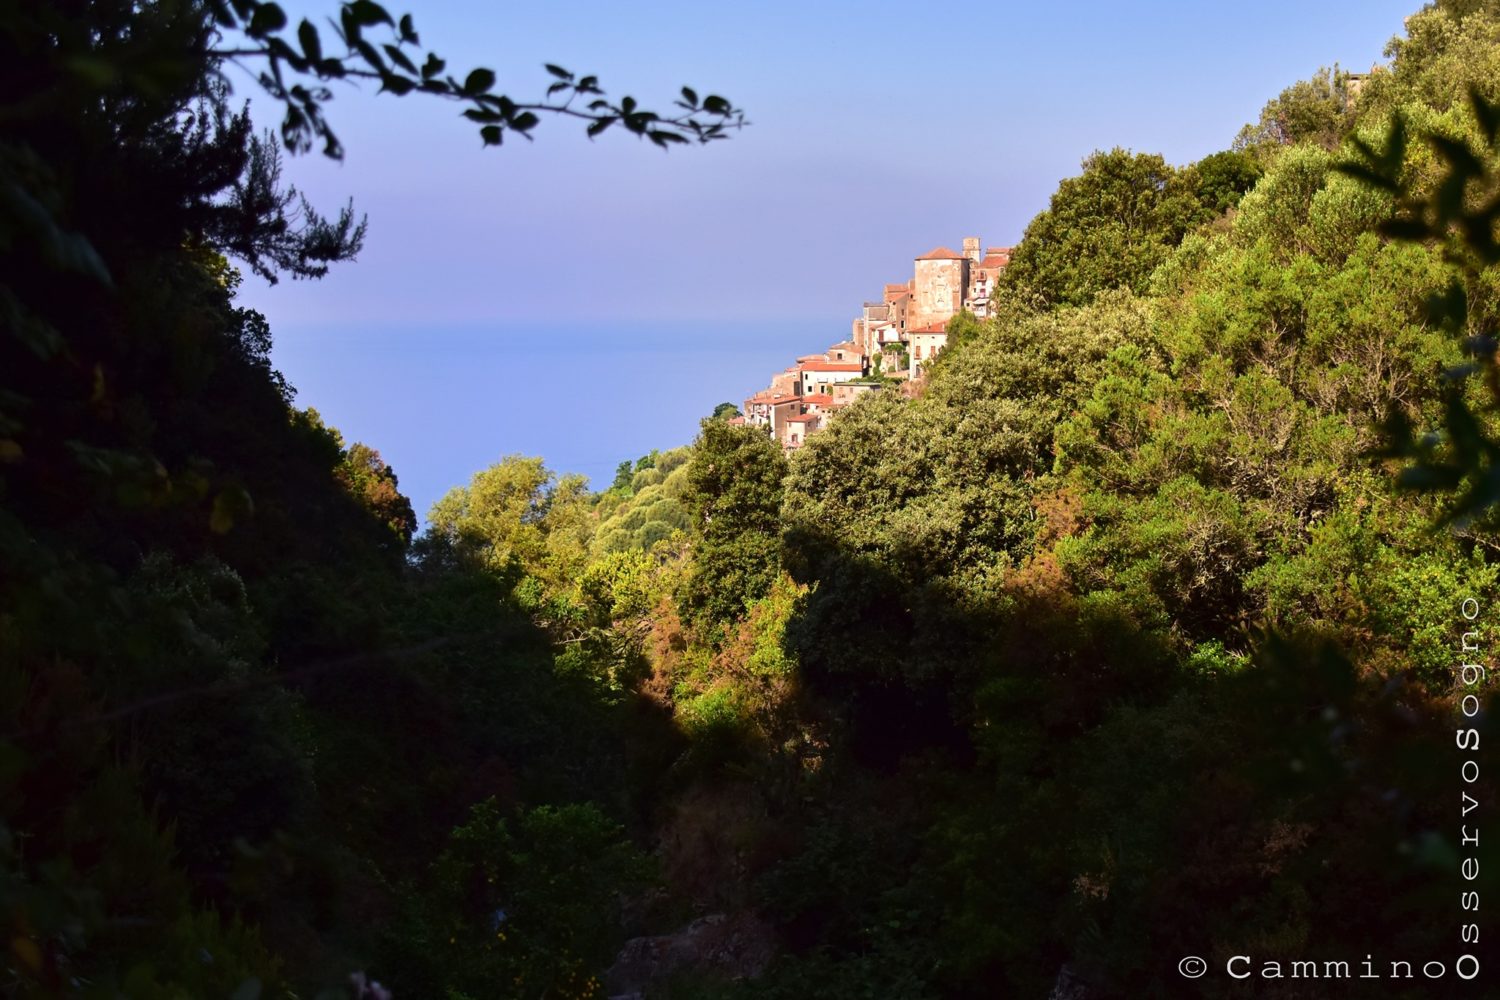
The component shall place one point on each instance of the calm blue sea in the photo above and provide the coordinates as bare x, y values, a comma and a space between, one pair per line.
440, 404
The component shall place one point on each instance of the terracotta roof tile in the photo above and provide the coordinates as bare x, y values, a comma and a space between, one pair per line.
941, 253
831, 366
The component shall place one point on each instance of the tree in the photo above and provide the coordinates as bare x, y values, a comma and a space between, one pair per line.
734, 493
725, 411
175, 536
1107, 228
1318, 111
1458, 213
1223, 178
529, 901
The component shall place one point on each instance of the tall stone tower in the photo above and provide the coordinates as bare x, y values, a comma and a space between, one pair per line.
938, 285
971, 249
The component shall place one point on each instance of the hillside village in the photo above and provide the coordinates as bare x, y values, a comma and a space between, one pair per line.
889, 342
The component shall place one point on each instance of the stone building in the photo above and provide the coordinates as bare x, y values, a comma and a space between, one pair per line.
925, 343
943, 284
888, 342
982, 279
797, 429
819, 376
938, 285
846, 393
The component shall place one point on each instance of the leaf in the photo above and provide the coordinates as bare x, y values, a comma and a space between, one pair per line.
690, 95
1487, 114
524, 121
1405, 229
1464, 431
559, 72
232, 504
1429, 478
66, 250
367, 13
221, 12
350, 32
399, 58
1369, 175
1449, 308
307, 36
371, 56
599, 126
479, 81
1481, 346
490, 134
408, 30
433, 66
397, 84
1449, 197
268, 17
1458, 154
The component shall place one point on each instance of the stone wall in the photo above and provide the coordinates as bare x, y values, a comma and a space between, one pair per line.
937, 291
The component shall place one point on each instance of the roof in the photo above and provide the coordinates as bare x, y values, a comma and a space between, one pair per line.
803, 418
831, 366
808, 358
941, 253
817, 399
930, 328
994, 260
843, 345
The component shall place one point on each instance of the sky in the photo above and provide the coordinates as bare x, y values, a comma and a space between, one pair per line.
589, 301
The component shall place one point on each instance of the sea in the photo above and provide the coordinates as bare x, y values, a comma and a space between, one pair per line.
441, 403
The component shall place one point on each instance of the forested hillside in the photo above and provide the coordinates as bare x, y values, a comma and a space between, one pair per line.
1131, 636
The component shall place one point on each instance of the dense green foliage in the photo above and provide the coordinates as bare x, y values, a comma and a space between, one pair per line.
1114, 224
1131, 635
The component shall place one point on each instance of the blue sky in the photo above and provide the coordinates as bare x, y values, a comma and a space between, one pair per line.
587, 301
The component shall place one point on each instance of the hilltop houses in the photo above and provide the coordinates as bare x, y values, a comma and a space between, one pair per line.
889, 340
